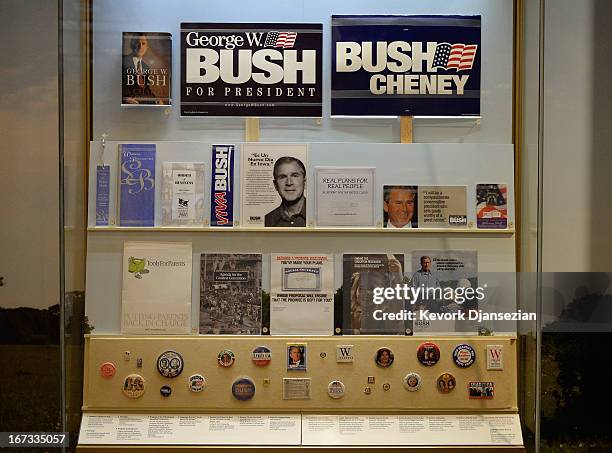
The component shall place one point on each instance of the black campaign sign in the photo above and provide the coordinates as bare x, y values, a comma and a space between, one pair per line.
251, 69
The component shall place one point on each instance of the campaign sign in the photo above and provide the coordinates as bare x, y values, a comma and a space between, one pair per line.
251, 69
406, 65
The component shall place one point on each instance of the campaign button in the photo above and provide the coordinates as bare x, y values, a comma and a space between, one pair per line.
336, 389
226, 358
196, 383
170, 364
428, 354
108, 369
464, 355
412, 382
165, 391
446, 383
133, 386
243, 389
481, 390
261, 355
367, 390
384, 357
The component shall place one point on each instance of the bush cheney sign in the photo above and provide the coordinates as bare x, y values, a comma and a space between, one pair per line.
251, 69
406, 65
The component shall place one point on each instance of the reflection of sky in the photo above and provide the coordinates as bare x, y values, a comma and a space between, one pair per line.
29, 170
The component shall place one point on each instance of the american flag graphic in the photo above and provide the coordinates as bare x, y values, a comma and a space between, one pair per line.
455, 56
283, 39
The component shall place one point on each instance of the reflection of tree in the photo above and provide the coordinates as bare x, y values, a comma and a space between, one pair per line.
573, 380
25, 325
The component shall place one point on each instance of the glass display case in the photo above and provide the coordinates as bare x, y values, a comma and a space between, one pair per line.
301, 224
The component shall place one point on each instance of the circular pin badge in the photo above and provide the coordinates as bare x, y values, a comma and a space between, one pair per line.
464, 355
196, 383
243, 389
336, 389
446, 383
412, 382
165, 391
170, 364
108, 369
384, 357
133, 386
226, 358
261, 355
428, 354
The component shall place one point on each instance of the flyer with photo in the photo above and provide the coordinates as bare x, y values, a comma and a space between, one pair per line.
362, 273
273, 185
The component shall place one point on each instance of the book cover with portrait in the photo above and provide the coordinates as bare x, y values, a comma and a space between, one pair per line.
146, 68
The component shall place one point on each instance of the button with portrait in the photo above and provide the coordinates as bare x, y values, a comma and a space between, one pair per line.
412, 382
428, 354
384, 357
170, 364
446, 383
226, 358
134, 386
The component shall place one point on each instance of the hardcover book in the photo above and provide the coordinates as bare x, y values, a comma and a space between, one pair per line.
146, 69
137, 185
230, 293
156, 292
182, 193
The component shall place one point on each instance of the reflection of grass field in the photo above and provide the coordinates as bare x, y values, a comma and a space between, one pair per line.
30, 388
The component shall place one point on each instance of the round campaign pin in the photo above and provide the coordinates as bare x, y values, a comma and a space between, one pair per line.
243, 389
170, 364
226, 358
446, 383
428, 354
133, 386
165, 391
412, 382
196, 383
261, 355
336, 389
464, 355
108, 369
384, 357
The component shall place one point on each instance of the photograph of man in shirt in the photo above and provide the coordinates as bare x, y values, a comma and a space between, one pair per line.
290, 183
